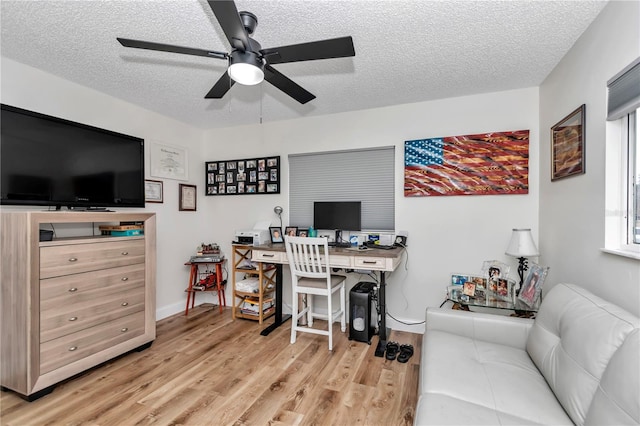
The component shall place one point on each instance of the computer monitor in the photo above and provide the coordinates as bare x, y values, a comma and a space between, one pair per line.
338, 216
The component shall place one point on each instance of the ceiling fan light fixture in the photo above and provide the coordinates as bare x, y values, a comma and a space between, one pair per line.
246, 68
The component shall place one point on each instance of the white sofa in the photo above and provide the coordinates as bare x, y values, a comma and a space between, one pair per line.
578, 362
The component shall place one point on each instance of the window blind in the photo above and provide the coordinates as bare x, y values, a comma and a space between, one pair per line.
624, 91
365, 175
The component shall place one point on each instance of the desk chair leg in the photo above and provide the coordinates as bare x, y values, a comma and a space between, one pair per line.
294, 318
310, 310
343, 306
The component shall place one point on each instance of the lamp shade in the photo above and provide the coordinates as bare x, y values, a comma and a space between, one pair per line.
521, 244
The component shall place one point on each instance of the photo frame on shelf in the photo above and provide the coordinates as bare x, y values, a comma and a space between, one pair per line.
532, 286
303, 232
153, 191
276, 234
291, 231
568, 145
187, 197
243, 176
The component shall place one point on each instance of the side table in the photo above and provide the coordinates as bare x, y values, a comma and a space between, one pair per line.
520, 309
195, 275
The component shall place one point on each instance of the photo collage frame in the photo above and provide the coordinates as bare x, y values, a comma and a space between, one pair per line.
241, 177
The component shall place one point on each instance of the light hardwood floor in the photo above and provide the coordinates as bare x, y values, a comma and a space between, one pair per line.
206, 369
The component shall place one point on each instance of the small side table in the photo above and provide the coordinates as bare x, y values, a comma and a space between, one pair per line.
194, 277
520, 309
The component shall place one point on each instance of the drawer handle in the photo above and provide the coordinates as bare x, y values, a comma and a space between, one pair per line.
124, 253
73, 259
73, 319
125, 304
125, 278
369, 262
73, 289
73, 348
124, 329
268, 255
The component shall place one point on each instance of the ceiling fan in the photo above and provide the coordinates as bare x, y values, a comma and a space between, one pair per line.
249, 64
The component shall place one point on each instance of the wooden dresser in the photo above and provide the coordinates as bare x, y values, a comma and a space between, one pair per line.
72, 303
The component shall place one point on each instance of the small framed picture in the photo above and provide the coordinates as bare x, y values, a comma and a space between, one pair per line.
187, 198
291, 231
532, 286
469, 289
276, 234
459, 279
568, 145
303, 232
153, 191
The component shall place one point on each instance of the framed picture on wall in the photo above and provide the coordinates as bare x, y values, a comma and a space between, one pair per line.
153, 192
243, 176
187, 197
568, 145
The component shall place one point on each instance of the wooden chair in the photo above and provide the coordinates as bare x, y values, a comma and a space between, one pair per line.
311, 275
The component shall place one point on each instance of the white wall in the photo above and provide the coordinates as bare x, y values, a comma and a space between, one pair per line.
572, 210
178, 233
446, 234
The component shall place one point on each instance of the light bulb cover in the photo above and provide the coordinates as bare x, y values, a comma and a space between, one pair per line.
246, 68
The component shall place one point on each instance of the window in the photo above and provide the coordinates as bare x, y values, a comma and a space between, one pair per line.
365, 175
622, 228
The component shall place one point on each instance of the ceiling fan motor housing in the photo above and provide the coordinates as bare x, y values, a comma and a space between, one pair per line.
249, 21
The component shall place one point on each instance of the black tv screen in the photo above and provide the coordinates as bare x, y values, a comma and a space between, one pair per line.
49, 161
338, 215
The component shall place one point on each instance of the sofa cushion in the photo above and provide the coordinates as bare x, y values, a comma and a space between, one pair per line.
495, 383
617, 399
571, 342
439, 409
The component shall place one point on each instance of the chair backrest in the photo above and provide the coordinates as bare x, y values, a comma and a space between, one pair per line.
308, 257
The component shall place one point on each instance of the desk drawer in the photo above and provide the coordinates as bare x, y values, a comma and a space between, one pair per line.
269, 256
69, 259
73, 347
338, 261
370, 263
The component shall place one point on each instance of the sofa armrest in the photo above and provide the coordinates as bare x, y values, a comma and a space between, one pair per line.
500, 329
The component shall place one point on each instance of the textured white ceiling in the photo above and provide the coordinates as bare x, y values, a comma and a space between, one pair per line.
406, 51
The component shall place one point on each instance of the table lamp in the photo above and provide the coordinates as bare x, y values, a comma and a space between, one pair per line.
522, 246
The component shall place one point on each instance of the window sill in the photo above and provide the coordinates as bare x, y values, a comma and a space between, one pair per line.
621, 252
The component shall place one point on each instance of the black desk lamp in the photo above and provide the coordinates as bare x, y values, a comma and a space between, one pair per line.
522, 246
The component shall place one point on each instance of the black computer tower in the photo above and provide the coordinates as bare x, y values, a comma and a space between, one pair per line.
360, 312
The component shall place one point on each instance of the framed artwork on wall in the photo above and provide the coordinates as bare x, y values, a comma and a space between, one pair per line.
153, 191
187, 197
568, 145
242, 177
170, 162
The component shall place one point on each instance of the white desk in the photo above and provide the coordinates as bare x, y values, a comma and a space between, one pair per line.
346, 258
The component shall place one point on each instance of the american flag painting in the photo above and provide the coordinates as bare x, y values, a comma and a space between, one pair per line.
484, 164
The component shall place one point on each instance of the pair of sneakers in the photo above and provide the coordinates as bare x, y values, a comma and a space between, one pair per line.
403, 352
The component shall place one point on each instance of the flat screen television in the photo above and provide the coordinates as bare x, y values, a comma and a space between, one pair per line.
49, 161
337, 215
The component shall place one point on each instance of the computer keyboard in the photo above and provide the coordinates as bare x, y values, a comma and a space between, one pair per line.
379, 246
339, 245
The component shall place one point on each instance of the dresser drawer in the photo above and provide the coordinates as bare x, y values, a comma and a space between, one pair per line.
269, 256
75, 258
79, 288
63, 319
67, 349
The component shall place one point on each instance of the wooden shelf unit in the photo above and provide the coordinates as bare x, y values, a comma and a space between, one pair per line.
266, 276
72, 303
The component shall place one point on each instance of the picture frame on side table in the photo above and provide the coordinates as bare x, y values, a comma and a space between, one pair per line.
276, 234
568, 145
188, 195
532, 286
153, 191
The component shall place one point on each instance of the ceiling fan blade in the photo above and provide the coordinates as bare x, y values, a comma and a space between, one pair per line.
324, 49
138, 44
229, 19
283, 83
221, 87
